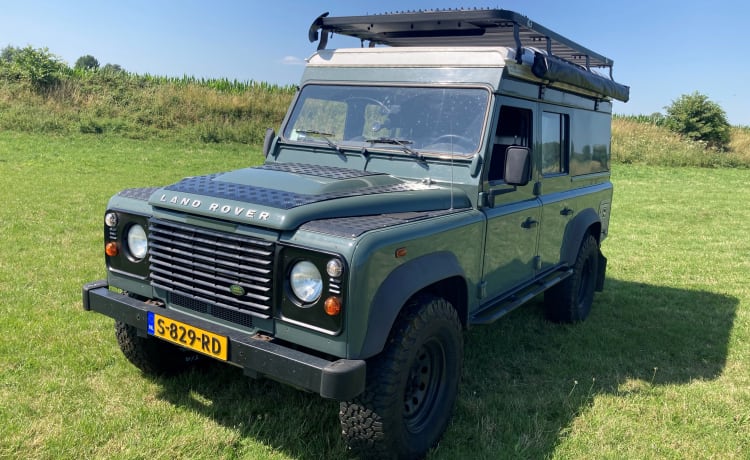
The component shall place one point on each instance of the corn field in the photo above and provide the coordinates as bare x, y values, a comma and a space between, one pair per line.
656, 119
220, 84
113, 101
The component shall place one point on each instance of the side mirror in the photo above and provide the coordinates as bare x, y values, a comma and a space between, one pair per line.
268, 140
517, 165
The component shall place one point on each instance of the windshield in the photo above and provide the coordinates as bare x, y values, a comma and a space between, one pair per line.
441, 120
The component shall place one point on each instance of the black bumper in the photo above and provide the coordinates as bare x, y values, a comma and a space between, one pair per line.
341, 379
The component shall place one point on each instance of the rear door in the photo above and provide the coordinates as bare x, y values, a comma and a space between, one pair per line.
558, 201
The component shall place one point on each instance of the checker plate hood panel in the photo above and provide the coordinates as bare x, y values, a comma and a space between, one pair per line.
283, 196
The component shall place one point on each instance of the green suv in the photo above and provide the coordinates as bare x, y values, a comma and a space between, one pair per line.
414, 190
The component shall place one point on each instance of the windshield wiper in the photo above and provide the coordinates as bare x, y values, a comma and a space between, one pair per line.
323, 135
403, 143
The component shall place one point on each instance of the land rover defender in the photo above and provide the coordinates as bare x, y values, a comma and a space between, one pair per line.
451, 169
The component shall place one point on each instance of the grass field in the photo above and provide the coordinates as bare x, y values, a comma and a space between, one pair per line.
660, 370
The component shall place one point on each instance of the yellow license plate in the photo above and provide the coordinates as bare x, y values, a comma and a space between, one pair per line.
188, 336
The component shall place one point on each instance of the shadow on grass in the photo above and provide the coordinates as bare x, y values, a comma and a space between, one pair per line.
301, 425
524, 379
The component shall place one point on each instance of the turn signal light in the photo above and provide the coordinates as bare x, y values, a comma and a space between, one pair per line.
332, 306
111, 249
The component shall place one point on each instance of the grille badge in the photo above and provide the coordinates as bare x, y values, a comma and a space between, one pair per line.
237, 290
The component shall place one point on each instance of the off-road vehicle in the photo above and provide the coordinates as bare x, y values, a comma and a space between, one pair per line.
448, 171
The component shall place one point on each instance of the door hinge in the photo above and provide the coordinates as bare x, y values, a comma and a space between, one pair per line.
538, 188
482, 289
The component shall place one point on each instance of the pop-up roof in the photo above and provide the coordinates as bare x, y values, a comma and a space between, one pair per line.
475, 27
456, 28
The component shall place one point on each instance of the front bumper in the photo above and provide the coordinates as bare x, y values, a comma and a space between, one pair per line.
342, 379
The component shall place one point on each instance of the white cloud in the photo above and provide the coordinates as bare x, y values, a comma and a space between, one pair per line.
292, 60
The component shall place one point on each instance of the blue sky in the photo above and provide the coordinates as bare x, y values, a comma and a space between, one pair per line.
662, 49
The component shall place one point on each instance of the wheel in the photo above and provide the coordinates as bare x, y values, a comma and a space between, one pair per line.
152, 356
411, 386
570, 301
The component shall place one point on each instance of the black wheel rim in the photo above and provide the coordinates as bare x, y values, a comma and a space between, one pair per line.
423, 385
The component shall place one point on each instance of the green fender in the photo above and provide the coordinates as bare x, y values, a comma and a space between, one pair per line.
398, 287
574, 233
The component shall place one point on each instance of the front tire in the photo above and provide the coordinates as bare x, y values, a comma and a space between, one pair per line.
411, 386
152, 356
570, 301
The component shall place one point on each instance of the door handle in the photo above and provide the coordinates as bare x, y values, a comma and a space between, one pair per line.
566, 211
529, 223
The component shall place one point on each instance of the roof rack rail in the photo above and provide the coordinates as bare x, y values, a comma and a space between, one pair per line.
476, 27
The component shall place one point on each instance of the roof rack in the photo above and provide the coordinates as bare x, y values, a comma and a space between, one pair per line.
472, 27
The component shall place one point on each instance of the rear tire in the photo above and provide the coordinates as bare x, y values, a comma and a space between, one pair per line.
570, 301
411, 386
152, 356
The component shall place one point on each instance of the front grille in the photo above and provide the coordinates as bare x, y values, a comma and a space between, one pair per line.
197, 266
227, 314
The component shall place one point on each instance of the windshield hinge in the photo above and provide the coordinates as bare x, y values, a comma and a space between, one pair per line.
483, 201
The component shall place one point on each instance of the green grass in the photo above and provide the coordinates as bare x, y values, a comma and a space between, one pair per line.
660, 369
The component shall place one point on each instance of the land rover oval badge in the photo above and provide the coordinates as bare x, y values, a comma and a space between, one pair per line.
237, 290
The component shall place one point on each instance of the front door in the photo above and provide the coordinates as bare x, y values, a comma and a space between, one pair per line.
513, 213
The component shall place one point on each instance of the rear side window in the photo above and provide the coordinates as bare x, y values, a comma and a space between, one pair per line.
555, 145
590, 153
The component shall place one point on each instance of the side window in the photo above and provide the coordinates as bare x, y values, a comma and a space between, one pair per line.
513, 128
554, 143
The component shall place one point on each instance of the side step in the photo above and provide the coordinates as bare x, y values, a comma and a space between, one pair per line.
515, 299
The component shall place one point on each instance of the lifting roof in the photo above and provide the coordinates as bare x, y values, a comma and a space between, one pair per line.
491, 27
556, 58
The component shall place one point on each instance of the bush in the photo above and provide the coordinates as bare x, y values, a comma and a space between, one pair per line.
699, 119
87, 62
113, 68
38, 67
7, 54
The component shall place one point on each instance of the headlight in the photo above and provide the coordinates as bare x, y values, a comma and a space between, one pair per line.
306, 282
137, 242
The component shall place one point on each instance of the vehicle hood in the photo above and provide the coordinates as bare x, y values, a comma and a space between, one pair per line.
283, 196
